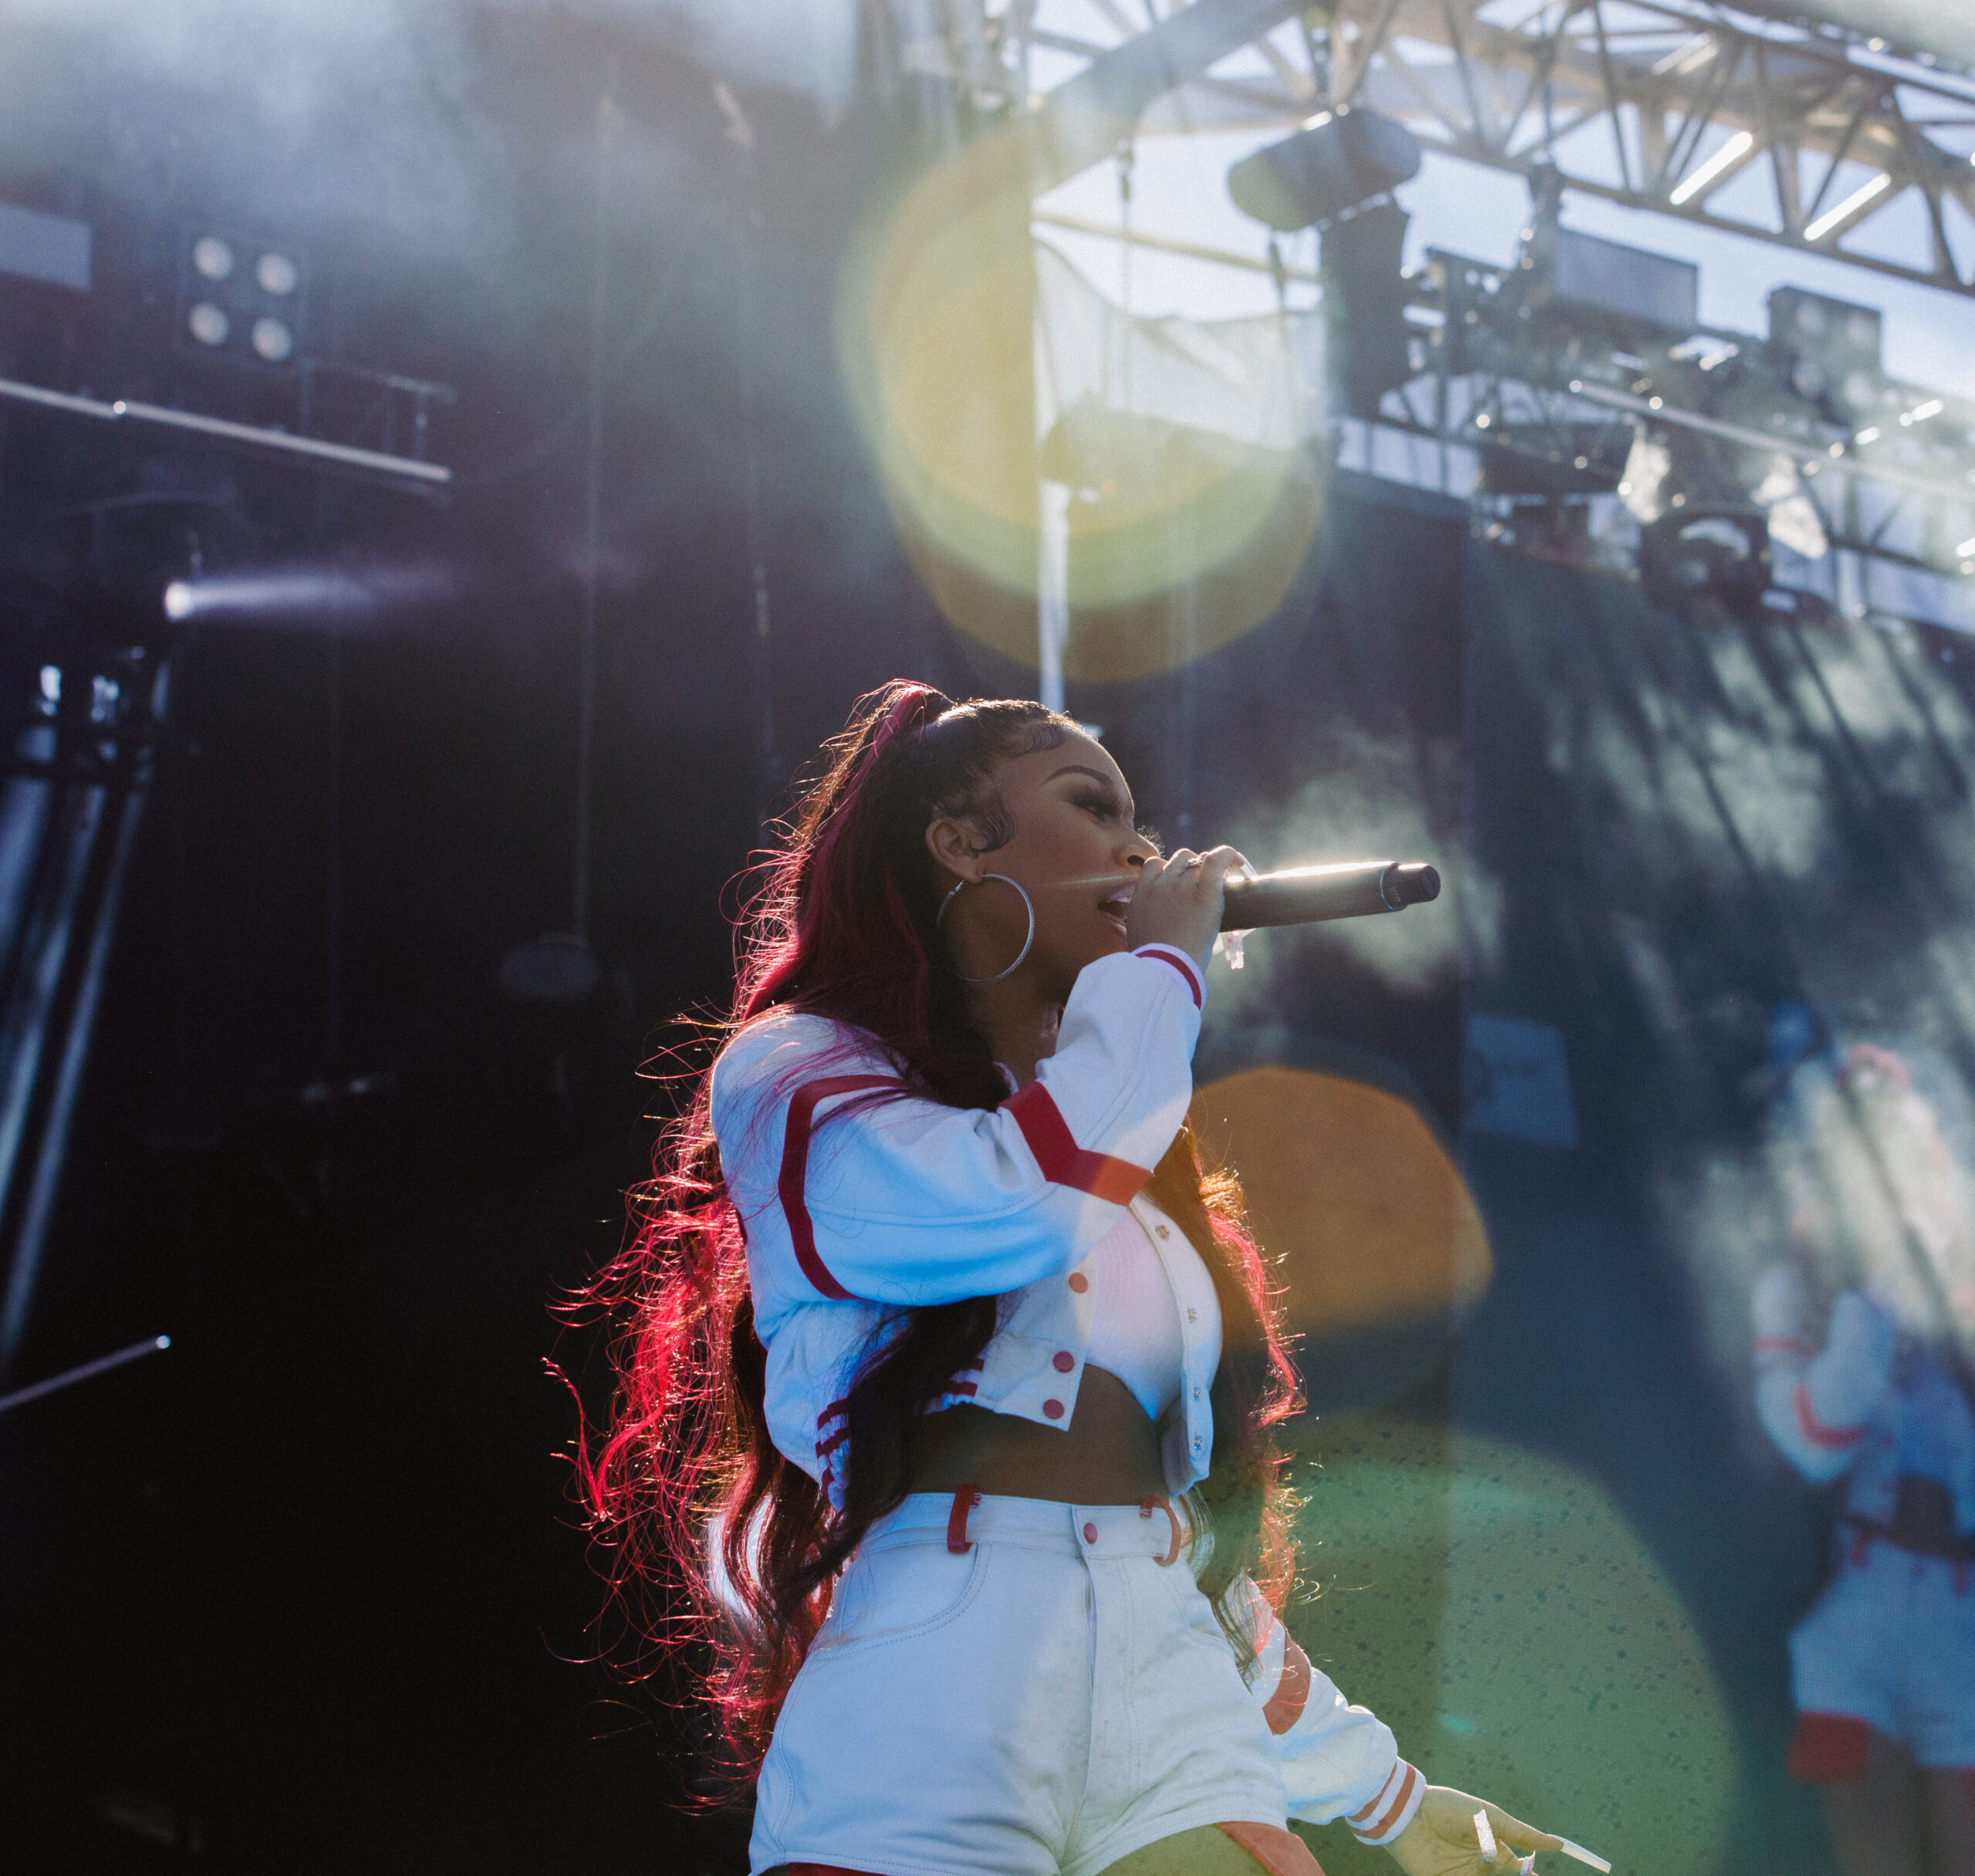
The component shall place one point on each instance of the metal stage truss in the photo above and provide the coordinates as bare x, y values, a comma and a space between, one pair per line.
1665, 104
72, 790
1796, 125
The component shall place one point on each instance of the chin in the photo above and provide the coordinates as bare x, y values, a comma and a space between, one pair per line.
1110, 941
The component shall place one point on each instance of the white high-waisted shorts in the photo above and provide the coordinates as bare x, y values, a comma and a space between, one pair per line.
1049, 1700
1891, 1642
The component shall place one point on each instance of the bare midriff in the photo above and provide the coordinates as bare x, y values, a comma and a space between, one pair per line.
1107, 1454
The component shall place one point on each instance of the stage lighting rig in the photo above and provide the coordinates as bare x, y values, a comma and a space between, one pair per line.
1339, 161
240, 300
238, 303
1578, 373
1337, 174
1829, 350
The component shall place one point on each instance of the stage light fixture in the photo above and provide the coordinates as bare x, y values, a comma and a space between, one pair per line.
1344, 160
1845, 210
278, 275
1730, 153
207, 324
212, 257
242, 302
1720, 556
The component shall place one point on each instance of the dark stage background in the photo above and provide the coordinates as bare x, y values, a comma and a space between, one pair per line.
307, 1593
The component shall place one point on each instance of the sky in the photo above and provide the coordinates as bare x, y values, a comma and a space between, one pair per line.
1179, 190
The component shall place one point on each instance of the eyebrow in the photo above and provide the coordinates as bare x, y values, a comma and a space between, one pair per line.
1096, 775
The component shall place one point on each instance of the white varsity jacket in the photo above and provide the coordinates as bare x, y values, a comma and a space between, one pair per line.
860, 1199
1851, 1407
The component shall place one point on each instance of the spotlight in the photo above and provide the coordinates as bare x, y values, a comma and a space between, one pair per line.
1342, 161
240, 301
1830, 351
278, 275
212, 257
207, 324
1721, 557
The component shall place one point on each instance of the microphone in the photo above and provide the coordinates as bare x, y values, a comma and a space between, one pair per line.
1303, 895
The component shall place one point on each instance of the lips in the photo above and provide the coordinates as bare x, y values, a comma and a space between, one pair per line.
1114, 905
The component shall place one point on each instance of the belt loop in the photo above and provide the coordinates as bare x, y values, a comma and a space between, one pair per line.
965, 1500
1146, 1507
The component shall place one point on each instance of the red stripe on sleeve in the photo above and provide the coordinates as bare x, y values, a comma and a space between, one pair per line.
795, 1171
1292, 1692
1832, 1439
1372, 1833
1062, 1161
1181, 963
1366, 1811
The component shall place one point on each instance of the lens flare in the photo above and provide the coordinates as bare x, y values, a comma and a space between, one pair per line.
1348, 1187
1516, 1635
1193, 500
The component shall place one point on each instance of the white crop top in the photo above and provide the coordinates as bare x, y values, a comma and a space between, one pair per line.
1135, 1329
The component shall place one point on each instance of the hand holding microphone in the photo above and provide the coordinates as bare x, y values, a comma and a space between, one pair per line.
1176, 900
1174, 894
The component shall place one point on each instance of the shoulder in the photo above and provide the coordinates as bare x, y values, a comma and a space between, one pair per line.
776, 1051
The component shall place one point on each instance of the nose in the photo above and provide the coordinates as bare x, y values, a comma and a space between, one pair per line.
1139, 851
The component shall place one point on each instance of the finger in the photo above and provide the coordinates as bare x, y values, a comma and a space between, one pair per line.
1493, 1856
1215, 864
1525, 1838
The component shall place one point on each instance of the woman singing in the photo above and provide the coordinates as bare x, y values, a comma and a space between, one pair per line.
950, 1380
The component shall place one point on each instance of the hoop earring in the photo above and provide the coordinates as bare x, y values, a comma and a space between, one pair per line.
1028, 905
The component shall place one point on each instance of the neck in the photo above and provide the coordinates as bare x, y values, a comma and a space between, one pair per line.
1019, 1020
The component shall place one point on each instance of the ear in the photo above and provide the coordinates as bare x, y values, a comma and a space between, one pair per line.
955, 845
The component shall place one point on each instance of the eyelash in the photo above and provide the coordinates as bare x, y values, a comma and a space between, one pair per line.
1106, 808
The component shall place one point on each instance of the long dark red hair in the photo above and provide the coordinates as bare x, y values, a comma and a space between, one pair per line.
719, 1545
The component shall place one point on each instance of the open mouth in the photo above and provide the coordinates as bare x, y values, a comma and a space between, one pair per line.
1114, 905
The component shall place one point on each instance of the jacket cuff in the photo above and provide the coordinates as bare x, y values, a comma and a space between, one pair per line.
1393, 1809
1180, 962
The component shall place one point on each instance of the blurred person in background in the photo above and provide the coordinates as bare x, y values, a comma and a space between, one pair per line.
1863, 1340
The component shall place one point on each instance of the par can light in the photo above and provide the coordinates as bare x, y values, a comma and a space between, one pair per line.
278, 276
208, 324
212, 257
272, 340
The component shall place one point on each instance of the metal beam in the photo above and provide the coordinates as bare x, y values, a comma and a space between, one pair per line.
1086, 118
312, 451
1629, 103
